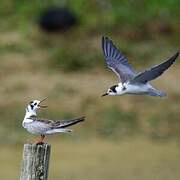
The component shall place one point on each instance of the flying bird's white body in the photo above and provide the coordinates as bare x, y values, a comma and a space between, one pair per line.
127, 88
131, 82
141, 89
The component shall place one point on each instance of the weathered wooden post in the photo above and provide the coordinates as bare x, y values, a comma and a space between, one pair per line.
35, 162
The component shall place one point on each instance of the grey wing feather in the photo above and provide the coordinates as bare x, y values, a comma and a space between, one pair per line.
116, 61
60, 124
46, 122
155, 71
71, 122
41, 125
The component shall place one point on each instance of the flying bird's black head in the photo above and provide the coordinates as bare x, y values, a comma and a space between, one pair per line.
113, 88
111, 91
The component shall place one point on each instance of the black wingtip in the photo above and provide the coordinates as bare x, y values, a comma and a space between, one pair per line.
107, 45
177, 54
81, 118
103, 44
174, 57
105, 38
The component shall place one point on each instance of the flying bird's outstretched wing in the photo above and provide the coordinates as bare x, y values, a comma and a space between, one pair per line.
116, 61
155, 71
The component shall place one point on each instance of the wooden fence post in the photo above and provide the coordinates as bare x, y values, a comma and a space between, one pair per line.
35, 162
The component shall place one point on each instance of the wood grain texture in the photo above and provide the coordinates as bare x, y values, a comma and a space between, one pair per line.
35, 162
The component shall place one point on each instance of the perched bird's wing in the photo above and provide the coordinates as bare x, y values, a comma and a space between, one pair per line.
116, 61
41, 125
154, 72
59, 124
66, 123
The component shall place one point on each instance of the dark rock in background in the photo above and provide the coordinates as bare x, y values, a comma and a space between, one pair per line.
57, 19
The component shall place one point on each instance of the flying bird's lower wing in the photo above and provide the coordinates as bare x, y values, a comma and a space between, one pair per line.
154, 72
116, 61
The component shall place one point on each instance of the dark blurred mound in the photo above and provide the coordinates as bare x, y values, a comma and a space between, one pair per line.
57, 19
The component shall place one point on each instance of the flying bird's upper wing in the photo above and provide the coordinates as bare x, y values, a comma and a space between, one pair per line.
155, 71
116, 61
50, 124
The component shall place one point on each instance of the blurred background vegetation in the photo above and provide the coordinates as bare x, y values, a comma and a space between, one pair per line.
128, 137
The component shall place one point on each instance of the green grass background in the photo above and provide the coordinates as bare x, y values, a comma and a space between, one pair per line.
128, 137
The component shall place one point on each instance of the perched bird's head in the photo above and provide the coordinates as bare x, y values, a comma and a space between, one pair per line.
34, 105
112, 91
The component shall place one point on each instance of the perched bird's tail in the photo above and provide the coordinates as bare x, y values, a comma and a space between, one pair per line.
71, 122
60, 126
59, 130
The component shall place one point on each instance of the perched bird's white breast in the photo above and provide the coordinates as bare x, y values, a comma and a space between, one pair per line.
26, 121
35, 127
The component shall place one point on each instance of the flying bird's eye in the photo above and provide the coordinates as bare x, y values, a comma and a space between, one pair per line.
113, 89
124, 88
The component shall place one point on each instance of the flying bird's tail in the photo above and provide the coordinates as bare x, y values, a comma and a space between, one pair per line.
155, 92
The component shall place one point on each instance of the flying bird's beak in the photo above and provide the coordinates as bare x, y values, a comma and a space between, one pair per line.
104, 94
42, 106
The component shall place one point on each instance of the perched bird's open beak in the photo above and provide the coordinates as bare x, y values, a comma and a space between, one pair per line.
104, 94
42, 106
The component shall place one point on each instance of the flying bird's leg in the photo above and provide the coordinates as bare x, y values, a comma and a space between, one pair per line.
40, 141
123, 87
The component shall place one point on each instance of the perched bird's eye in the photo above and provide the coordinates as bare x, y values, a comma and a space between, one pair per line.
31, 102
32, 107
35, 104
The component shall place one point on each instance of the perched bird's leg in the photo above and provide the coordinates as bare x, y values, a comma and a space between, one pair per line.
40, 141
42, 137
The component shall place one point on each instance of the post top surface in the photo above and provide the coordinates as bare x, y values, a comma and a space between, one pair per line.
37, 145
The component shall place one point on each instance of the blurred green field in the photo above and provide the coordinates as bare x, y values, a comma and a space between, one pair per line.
128, 137
102, 159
